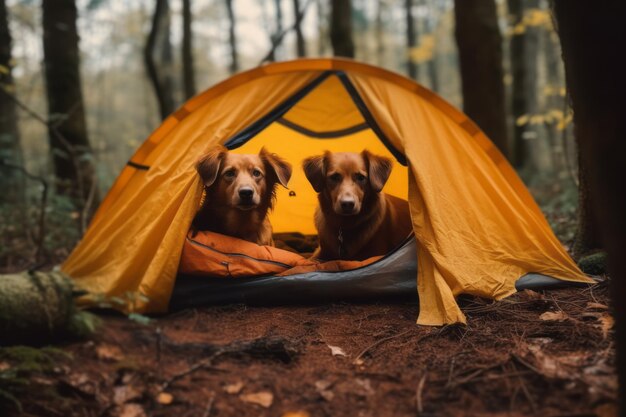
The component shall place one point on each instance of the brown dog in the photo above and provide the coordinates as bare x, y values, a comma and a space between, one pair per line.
354, 219
240, 190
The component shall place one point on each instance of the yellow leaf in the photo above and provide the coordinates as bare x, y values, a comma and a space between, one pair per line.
606, 325
522, 120
536, 119
4, 70
263, 398
597, 306
553, 316
296, 414
165, 398
234, 388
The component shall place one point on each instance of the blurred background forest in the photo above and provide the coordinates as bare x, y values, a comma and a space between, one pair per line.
126, 64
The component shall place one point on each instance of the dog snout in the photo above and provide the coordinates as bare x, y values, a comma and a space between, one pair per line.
347, 206
246, 193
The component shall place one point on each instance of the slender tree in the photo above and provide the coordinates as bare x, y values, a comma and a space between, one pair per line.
71, 152
341, 28
380, 32
322, 28
480, 56
597, 91
411, 40
524, 53
232, 38
432, 63
300, 44
158, 46
11, 180
189, 80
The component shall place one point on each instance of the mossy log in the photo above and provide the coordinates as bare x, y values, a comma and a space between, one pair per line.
36, 307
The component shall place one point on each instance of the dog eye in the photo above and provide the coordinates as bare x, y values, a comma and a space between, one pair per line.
229, 174
256, 173
360, 177
335, 177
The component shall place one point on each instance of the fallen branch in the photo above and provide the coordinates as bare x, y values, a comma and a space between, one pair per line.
378, 342
275, 348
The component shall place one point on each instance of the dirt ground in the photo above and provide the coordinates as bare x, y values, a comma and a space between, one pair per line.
536, 353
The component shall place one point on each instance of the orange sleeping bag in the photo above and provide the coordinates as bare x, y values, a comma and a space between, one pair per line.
214, 255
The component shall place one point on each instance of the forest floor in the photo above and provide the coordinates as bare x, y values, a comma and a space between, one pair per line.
533, 354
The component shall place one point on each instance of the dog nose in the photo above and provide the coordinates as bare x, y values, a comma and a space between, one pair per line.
347, 206
246, 193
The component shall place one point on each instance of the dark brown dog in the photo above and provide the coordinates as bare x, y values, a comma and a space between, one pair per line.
354, 219
240, 190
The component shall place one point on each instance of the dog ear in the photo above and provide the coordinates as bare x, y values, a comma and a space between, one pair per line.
281, 168
379, 169
208, 166
315, 170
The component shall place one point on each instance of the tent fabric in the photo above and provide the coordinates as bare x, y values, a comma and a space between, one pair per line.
477, 228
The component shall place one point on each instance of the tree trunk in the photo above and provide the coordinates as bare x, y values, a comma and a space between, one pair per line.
277, 32
411, 66
322, 28
341, 28
587, 237
597, 88
480, 57
161, 73
232, 38
11, 180
189, 80
71, 152
432, 63
524, 51
380, 33
300, 44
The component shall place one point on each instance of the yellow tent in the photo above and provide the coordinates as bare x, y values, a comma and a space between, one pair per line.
477, 227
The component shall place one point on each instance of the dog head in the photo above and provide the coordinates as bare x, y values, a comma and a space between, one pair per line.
244, 182
347, 179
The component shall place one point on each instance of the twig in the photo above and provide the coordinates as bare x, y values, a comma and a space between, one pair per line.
209, 405
418, 395
378, 342
277, 40
42, 209
199, 365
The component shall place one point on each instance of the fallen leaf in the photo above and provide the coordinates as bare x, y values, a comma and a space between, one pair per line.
109, 353
606, 325
296, 414
336, 350
82, 383
131, 410
124, 394
165, 398
322, 387
4, 366
358, 361
234, 388
554, 316
263, 398
597, 306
